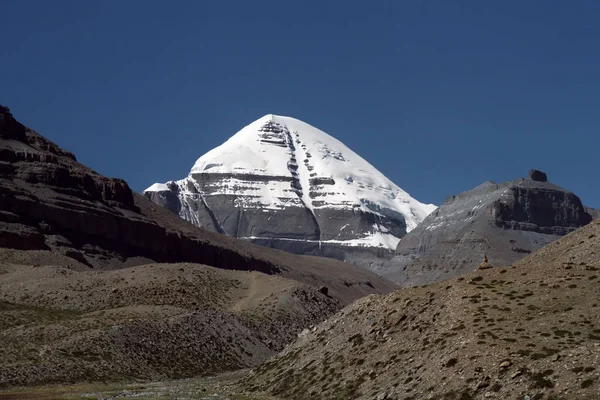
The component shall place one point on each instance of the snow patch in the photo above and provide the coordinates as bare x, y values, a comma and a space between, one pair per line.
158, 187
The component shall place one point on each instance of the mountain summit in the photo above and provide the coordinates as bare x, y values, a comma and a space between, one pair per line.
283, 183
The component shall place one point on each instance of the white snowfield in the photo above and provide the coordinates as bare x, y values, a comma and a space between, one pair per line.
157, 187
283, 147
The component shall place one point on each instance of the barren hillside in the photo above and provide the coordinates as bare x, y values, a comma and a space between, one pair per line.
532, 329
61, 322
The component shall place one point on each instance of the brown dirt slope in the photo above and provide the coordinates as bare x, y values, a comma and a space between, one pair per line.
504, 333
49, 201
581, 247
66, 323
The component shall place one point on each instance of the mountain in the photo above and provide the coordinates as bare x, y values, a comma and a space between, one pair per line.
530, 331
282, 183
99, 283
49, 201
503, 222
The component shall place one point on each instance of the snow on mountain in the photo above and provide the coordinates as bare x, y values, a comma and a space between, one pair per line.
278, 164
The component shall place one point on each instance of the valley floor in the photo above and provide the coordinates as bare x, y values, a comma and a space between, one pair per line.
221, 387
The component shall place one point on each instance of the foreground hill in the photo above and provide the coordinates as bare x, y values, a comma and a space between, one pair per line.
49, 201
62, 322
532, 329
283, 183
503, 222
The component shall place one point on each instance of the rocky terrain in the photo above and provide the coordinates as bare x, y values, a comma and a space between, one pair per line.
282, 183
528, 331
502, 222
99, 283
62, 322
49, 201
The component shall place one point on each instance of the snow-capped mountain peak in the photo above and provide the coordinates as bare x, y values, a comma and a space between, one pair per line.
304, 184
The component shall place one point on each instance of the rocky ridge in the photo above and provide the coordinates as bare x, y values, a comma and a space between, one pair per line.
503, 222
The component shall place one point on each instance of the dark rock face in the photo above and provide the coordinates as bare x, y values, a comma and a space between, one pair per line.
294, 229
506, 222
49, 201
365, 257
543, 210
44, 190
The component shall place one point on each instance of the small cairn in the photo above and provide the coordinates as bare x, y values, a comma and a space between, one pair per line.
484, 264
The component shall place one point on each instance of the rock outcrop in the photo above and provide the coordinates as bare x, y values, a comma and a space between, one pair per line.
539, 176
49, 201
505, 221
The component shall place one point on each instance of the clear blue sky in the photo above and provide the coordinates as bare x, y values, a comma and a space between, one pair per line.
440, 97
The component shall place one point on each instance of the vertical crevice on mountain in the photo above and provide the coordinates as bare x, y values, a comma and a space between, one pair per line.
296, 183
212, 215
239, 222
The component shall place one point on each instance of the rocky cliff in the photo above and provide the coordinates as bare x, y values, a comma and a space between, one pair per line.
503, 221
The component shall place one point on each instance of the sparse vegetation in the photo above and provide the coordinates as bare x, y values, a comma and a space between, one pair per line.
177, 321
587, 383
526, 321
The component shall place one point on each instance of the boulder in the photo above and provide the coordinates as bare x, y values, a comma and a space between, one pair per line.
536, 175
